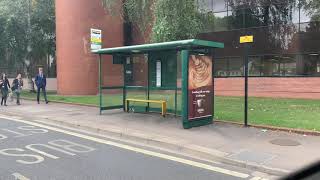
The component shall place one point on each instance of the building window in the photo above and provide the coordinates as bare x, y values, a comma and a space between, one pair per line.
158, 73
310, 65
288, 65
221, 21
221, 68
212, 5
255, 66
236, 66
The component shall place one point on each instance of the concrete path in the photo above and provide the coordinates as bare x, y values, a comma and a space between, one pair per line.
247, 147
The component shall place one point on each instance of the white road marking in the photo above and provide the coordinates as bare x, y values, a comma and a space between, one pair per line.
14, 132
256, 178
19, 176
139, 150
37, 159
31, 147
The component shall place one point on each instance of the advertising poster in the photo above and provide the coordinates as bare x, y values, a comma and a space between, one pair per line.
96, 39
200, 87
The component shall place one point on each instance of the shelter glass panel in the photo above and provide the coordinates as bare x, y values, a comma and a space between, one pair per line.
111, 97
136, 81
167, 74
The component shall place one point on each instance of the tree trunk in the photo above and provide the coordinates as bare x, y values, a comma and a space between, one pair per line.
31, 85
30, 82
29, 76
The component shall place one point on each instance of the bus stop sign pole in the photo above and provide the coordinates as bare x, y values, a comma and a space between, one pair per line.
245, 40
246, 86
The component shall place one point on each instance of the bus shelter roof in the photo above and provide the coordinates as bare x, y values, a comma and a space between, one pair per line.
172, 45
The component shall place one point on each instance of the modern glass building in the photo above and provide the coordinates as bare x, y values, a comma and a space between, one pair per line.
286, 35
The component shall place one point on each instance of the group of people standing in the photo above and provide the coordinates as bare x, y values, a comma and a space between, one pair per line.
17, 85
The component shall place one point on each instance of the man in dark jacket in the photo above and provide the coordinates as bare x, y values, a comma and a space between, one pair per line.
41, 83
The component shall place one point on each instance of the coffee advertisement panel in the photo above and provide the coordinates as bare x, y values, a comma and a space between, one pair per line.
200, 87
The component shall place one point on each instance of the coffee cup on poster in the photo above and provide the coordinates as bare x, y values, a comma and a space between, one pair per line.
200, 102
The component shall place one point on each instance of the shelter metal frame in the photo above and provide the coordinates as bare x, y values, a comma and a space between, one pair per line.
182, 49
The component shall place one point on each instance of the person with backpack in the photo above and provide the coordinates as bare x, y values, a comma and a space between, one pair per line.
17, 85
5, 85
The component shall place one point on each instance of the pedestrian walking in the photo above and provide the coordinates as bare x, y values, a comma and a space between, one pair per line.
41, 83
16, 88
5, 86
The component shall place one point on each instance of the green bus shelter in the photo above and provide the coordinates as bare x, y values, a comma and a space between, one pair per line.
171, 77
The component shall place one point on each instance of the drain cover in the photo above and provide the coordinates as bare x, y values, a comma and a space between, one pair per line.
285, 142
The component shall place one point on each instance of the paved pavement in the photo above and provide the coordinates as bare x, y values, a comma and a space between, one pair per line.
31, 151
230, 144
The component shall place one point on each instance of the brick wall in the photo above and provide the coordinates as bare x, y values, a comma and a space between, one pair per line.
300, 87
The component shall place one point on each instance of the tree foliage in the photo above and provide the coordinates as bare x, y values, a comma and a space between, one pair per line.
23, 44
138, 12
167, 19
176, 20
313, 8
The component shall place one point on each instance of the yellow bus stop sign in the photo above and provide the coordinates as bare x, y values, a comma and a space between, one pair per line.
246, 39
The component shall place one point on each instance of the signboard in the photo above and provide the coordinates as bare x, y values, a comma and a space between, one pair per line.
200, 87
158, 74
246, 39
96, 39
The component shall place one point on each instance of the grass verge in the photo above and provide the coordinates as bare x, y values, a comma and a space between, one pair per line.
289, 113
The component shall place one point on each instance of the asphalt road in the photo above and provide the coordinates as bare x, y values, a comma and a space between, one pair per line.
32, 151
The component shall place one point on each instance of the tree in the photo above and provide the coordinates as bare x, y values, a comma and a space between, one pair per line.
28, 30
137, 12
176, 20
168, 20
313, 8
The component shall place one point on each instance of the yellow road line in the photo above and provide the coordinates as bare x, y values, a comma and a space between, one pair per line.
139, 150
